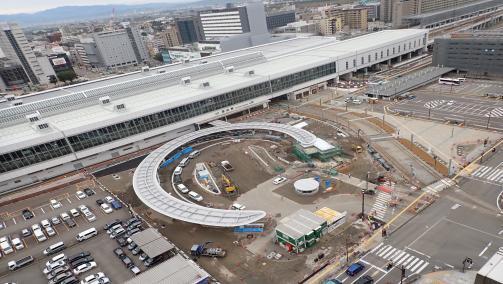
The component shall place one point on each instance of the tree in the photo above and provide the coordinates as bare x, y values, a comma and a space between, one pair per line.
67, 75
158, 57
53, 79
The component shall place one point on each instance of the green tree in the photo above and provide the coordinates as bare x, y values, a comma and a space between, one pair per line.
67, 75
158, 57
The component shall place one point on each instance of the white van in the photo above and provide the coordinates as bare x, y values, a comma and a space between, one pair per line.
195, 196
56, 258
91, 232
184, 162
39, 235
52, 249
178, 170
357, 102
194, 154
182, 188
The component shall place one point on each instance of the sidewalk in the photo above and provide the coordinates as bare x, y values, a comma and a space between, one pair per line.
448, 277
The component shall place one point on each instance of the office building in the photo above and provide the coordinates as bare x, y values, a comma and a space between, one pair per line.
12, 75
373, 10
351, 18
16, 47
302, 27
72, 127
87, 54
279, 19
478, 53
330, 26
189, 30
428, 13
120, 47
170, 37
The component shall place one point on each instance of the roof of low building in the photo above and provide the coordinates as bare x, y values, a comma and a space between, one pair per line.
300, 223
151, 242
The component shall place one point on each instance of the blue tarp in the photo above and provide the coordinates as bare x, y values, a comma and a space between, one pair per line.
176, 157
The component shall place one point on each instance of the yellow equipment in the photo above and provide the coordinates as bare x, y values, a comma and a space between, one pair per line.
229, 187
357, 148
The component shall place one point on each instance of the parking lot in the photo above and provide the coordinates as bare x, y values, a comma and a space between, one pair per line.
101, 246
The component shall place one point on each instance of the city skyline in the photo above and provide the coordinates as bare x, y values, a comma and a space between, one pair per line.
34, 6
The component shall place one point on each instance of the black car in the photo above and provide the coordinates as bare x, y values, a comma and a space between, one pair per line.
99, 201
133, 231
81, 261
27, 214
71, 280
365, 279
128, 262
132, 220
88, 191
70, 222
109, 225
133, 225
121, 241
78, 256
118, 252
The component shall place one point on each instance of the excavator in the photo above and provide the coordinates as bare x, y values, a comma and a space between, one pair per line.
228, 185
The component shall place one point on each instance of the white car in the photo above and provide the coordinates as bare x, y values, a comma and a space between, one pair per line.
74, 212
45, 223
17, 243
55, 204
109, 199
80, 194
106, 208
93, 277
237, 206
90, 216
195, 196
450, 103
84, 267
53, 265
35, 227
55, 220
103, 280
50, 231
83, 208
64, 216
279, 180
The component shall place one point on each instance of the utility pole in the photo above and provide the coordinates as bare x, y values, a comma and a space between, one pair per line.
429, 111
363, 195
402, 274
489, 118
347, 250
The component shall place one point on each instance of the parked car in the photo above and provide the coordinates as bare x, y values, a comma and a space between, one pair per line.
55, 220
89, 192
365, 279
132, 220
143, 256
355, 268
93, 277
237, 206
136, 251
70, 280
55, 204
27, 214
74, 212
131, 246
90, 216
78, 256
104, 280
70, 223
57, 271
81, 261
195, 196
35, 227
83, 208
26, 232
133, 231
116, 205
135, 270
111, 224
60, 277
106, 208
80, 194
109, 199
84, 267
119, 232
128, 262
121, 241
134, 225
50, 231
53, 266
64, 216
278, 180
118, 252
100, 201
45, 223
17, 243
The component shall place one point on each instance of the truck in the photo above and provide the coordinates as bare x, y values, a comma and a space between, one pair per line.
202, 250
227, 166
16, 264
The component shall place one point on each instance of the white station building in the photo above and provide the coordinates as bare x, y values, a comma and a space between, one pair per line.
65, 129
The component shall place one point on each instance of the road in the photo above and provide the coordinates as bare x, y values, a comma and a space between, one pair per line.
464, 222
469, 111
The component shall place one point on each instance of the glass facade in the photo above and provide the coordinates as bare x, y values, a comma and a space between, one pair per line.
54, 149
32, 155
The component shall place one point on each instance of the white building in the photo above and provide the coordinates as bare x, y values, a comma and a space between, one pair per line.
120, 48
72, 127
16, 47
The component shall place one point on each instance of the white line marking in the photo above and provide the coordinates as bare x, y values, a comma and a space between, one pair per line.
385, 251
475, 229
448, 265
418, 252
412, 263
42, 209
423, 267
417, 265
397, 257
500, 232
404, 258
68, 200
494, 174
408, 260
455, 206
14, 220
378, 246
484, 250
424, 233
389, 253
344, 280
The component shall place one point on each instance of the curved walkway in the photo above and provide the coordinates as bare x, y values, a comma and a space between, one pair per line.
148, 189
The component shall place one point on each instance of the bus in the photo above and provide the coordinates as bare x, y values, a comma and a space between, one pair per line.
449, 81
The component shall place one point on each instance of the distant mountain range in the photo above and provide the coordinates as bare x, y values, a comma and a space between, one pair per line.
82, 13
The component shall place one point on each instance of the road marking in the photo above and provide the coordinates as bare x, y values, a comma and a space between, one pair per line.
68, 200
389, 253
384, 251
448, 265
424, 233
42, 209
456, 206
484, 250
344, 280
416, 251
500, 232
375, 273
379, 245
423, 267
399, 256
14, 220
417, 265
412, 263
408, 260
472, 228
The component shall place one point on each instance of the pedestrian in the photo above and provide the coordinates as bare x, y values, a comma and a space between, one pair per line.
349, 175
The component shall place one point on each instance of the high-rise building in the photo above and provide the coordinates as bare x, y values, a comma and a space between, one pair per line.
12, 75
279, 19
330, 26
16, 47
189, 30
120, 47
351, 18
226, 22
170, 37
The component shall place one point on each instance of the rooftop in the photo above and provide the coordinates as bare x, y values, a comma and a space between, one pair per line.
174, 270
493, 269
300, 223
152, 242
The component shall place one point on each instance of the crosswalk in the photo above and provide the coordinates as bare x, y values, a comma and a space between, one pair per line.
436, 187
496, 112
412, 263
434, 104
494, 174
381, 205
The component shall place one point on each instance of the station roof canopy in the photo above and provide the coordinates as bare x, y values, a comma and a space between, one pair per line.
300, 223
174, 270
493, 269
152, 242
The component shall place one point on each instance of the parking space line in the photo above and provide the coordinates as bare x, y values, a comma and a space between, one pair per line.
68, 200
14, 220
42, 209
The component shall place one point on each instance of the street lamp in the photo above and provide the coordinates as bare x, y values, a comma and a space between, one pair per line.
363, 195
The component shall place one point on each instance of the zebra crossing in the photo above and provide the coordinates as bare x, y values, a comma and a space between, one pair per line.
494, 174
496, 112
436, 187
381, 205
434, 104
412, 263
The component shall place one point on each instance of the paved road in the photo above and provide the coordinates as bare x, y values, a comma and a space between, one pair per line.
470, 111
465, 222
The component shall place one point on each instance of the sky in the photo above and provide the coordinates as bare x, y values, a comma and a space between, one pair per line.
31, 6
